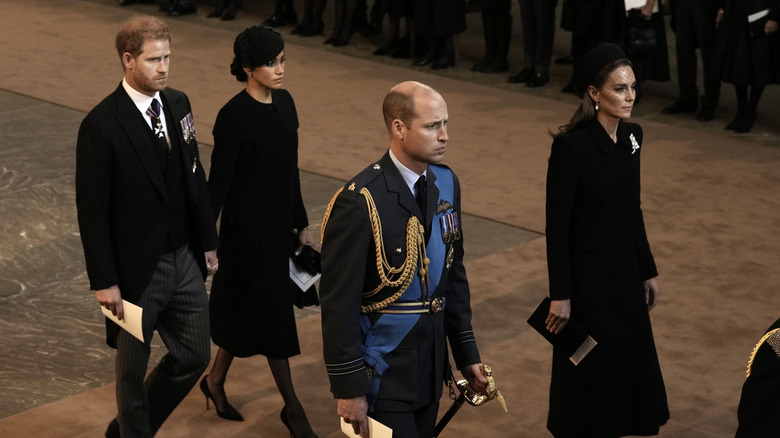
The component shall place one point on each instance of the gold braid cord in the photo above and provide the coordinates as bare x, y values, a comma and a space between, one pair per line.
389, 276
755, 350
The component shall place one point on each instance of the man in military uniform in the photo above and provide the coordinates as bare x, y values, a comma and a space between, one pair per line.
393, 284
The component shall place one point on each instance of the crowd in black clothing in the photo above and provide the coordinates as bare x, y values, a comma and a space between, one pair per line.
737, 40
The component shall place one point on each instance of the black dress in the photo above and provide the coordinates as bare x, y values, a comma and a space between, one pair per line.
741, 59
598, 256
254, 181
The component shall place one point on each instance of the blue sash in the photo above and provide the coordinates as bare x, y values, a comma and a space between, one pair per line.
390, 329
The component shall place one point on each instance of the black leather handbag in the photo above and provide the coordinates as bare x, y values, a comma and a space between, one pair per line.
642, 37
307, 259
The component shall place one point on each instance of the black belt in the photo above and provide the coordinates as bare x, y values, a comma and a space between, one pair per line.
434, 305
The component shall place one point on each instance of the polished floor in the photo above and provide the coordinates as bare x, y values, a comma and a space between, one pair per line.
710, 199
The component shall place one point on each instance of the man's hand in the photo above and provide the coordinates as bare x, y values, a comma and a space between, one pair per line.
212, 264
560, 312
111, 299
355, 412
477, 380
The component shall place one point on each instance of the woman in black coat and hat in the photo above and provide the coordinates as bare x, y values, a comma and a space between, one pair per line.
602, 273
254, 182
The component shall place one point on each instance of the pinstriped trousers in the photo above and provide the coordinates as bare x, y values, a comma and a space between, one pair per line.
176, 305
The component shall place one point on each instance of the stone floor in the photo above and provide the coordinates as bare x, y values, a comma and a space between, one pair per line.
710, 199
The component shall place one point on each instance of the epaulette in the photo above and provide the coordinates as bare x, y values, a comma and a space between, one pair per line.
772, 338
389, 276
363, 178
353, 188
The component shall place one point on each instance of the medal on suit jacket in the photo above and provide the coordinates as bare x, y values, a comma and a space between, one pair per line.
450, 232
188, 128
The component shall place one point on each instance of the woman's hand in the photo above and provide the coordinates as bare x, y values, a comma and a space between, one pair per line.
560, 312
652, 289
304, 238
647, 9
719, 18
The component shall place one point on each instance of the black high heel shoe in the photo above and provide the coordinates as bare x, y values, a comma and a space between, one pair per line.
229, 413
286, 422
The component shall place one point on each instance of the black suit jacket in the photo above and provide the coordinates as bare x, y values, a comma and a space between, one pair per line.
349, 268
121, 196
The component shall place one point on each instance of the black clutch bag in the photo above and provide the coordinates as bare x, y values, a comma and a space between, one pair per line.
307, 261
573, 340
642, 38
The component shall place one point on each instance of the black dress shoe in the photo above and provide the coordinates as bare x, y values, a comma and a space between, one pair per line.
387, 47
497, 65
478, 66
424, 60
274, 21
539, 79
312, 29
565, 60
705, 114
524, 76
176, 11
678, 108
372, 29
340, 41
403, 50
571, 89
132, 2
444, 62
745, 123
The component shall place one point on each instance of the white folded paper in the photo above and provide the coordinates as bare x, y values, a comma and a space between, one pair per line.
634, 4
303, 279
375, 429
758, 15
132, 320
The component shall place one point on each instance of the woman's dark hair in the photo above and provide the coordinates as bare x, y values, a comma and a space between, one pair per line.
255, 46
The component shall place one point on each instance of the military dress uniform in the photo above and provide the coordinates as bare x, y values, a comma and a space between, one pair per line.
388, 298
760, 399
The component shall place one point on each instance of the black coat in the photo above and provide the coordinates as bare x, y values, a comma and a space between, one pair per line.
254, 181
349, 268
598, 256
741, 59
122, 200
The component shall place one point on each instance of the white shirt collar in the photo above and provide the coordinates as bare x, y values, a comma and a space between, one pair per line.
410, 176
143, 101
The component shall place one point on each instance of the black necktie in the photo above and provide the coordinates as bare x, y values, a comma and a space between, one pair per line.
154, 113
420, 197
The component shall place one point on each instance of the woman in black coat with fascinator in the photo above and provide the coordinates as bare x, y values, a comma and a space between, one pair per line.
602, 273
254, 182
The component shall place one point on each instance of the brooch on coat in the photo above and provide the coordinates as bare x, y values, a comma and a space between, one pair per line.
634, 144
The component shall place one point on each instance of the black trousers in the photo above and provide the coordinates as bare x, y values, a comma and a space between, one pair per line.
695, 28
537, 18
175, 304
